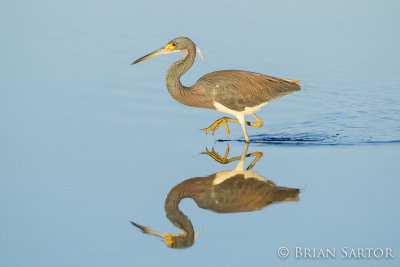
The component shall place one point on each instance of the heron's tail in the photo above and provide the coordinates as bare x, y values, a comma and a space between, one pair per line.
293, 81
286, 194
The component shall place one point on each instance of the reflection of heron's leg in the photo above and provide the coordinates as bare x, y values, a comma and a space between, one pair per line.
218, 158
257, 156
240, 165
225, 160
224, 121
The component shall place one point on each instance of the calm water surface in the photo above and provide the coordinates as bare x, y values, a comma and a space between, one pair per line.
90, 143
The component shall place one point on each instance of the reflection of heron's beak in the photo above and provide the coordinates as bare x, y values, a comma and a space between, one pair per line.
168, 238
164, 50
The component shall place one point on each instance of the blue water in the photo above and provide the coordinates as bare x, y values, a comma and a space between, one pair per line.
90, 143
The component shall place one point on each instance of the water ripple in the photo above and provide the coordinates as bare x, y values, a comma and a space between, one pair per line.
307, 139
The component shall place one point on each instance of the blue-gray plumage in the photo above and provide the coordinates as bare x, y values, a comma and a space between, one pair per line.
235, 92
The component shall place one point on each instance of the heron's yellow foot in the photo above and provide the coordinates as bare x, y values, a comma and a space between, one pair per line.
216, 156
216, 125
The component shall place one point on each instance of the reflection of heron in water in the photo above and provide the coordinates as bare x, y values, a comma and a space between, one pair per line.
237, 190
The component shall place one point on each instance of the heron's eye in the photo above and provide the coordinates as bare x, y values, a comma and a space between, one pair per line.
173, 44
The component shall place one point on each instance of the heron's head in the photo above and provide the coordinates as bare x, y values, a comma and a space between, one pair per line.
180, 44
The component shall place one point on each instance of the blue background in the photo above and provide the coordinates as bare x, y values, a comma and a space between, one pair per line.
89, 142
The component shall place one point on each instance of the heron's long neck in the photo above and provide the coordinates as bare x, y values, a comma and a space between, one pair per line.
175, 88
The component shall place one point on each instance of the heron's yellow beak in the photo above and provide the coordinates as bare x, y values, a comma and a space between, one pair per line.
164, 50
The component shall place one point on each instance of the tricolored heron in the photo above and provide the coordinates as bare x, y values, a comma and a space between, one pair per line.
237, 190
235, 92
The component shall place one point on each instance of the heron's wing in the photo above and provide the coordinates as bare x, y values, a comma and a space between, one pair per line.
237, 89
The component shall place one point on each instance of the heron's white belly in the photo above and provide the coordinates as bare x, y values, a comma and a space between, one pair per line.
238, 114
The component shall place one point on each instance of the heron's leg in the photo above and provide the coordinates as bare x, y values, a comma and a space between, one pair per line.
218, 123
258, 123
245, 132
224, 121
